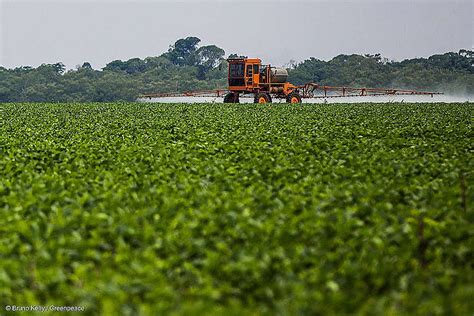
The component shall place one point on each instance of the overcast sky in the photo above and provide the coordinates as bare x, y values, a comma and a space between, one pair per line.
72, 32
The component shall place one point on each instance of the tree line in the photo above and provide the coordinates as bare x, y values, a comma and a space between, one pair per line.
187, 66
452, 73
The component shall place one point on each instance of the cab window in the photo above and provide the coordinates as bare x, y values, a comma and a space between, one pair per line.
236, 70
255, 69
249, 70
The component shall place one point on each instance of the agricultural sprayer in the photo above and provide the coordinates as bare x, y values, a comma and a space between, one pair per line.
248, 77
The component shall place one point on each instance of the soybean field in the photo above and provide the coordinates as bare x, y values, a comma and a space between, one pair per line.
191, 209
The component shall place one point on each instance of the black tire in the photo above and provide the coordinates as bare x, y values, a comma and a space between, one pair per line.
231, 97
262, 96
292, 97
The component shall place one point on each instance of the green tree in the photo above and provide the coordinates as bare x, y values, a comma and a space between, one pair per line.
116, 65
209, 56
182, 52
86, 65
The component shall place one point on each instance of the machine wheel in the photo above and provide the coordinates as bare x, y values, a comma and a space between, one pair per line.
293, 97
262, 98
231, 97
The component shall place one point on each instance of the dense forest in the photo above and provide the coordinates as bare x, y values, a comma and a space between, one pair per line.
187, 66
